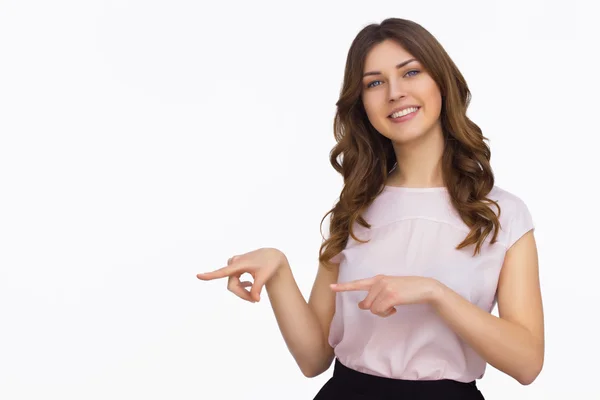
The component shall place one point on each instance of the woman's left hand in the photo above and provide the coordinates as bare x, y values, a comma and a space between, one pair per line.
387, 292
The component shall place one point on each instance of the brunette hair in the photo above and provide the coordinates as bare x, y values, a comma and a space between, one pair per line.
364, 157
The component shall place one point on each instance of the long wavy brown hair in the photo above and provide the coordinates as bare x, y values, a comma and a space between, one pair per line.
364, 157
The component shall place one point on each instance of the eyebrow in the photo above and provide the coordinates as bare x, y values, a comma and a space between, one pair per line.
402, 64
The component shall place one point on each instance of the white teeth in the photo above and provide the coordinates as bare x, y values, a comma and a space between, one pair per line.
404, 112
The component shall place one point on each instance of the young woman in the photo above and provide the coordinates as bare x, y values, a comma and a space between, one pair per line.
421, 243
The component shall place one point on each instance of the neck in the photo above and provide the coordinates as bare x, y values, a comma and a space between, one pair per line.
419, 162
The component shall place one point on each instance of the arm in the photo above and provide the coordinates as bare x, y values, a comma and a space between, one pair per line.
514, 342
304, 326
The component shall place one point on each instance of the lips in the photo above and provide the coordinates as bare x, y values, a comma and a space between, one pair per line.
395, 110
407, 117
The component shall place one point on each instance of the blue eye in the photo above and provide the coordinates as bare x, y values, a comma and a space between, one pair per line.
411, 73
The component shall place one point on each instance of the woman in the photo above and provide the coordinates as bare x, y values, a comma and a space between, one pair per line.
421, 243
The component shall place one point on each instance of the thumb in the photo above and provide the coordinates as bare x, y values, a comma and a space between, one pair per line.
257, 286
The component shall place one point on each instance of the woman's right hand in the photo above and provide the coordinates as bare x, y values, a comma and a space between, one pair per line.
262, 264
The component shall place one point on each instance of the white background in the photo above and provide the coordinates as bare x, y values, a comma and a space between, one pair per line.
143, 142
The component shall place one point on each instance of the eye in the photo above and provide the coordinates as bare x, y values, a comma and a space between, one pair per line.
371, 84
411, 73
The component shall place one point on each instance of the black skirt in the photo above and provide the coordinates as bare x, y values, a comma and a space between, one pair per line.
349, 384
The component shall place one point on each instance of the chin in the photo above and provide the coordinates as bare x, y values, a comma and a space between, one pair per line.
405, 137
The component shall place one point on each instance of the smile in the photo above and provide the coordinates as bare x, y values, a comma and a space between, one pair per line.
404, 115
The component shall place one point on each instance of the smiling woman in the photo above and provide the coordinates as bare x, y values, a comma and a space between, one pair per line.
421, 227
421, 244
409, 78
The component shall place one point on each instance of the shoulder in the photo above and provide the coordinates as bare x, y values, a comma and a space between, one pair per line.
515, 217
508, 201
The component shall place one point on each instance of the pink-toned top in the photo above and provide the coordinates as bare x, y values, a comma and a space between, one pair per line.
414, 232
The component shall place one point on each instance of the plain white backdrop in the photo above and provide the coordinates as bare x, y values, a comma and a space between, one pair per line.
142, 142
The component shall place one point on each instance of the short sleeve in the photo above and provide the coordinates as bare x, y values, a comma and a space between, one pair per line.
337, 259
521, 222
326, 234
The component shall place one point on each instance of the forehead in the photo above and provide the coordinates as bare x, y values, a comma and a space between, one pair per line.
384, 55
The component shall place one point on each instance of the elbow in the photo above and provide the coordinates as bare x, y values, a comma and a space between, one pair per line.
311, 372
531, 365
307, 372
526, 380
314, 369
528, 376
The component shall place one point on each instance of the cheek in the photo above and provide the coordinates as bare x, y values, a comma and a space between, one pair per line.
373, 110
369, 104
434, 100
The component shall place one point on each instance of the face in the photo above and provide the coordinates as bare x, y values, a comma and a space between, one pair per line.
403, 103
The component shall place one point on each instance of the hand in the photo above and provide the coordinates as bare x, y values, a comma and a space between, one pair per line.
386, 292
262, 264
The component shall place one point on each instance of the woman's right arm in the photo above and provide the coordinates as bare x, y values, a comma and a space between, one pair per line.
304, 325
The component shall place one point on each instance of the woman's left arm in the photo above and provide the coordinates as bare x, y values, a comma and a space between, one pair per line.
514, 342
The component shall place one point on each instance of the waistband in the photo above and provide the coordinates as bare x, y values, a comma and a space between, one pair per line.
381, 386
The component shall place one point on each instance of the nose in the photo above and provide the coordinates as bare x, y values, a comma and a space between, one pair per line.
396, 91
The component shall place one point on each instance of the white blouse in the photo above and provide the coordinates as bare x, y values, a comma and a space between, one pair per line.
414, 232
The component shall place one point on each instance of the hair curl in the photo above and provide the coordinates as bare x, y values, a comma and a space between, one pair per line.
364, 157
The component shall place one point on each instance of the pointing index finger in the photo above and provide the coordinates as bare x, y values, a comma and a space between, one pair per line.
217, 274
360, 284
